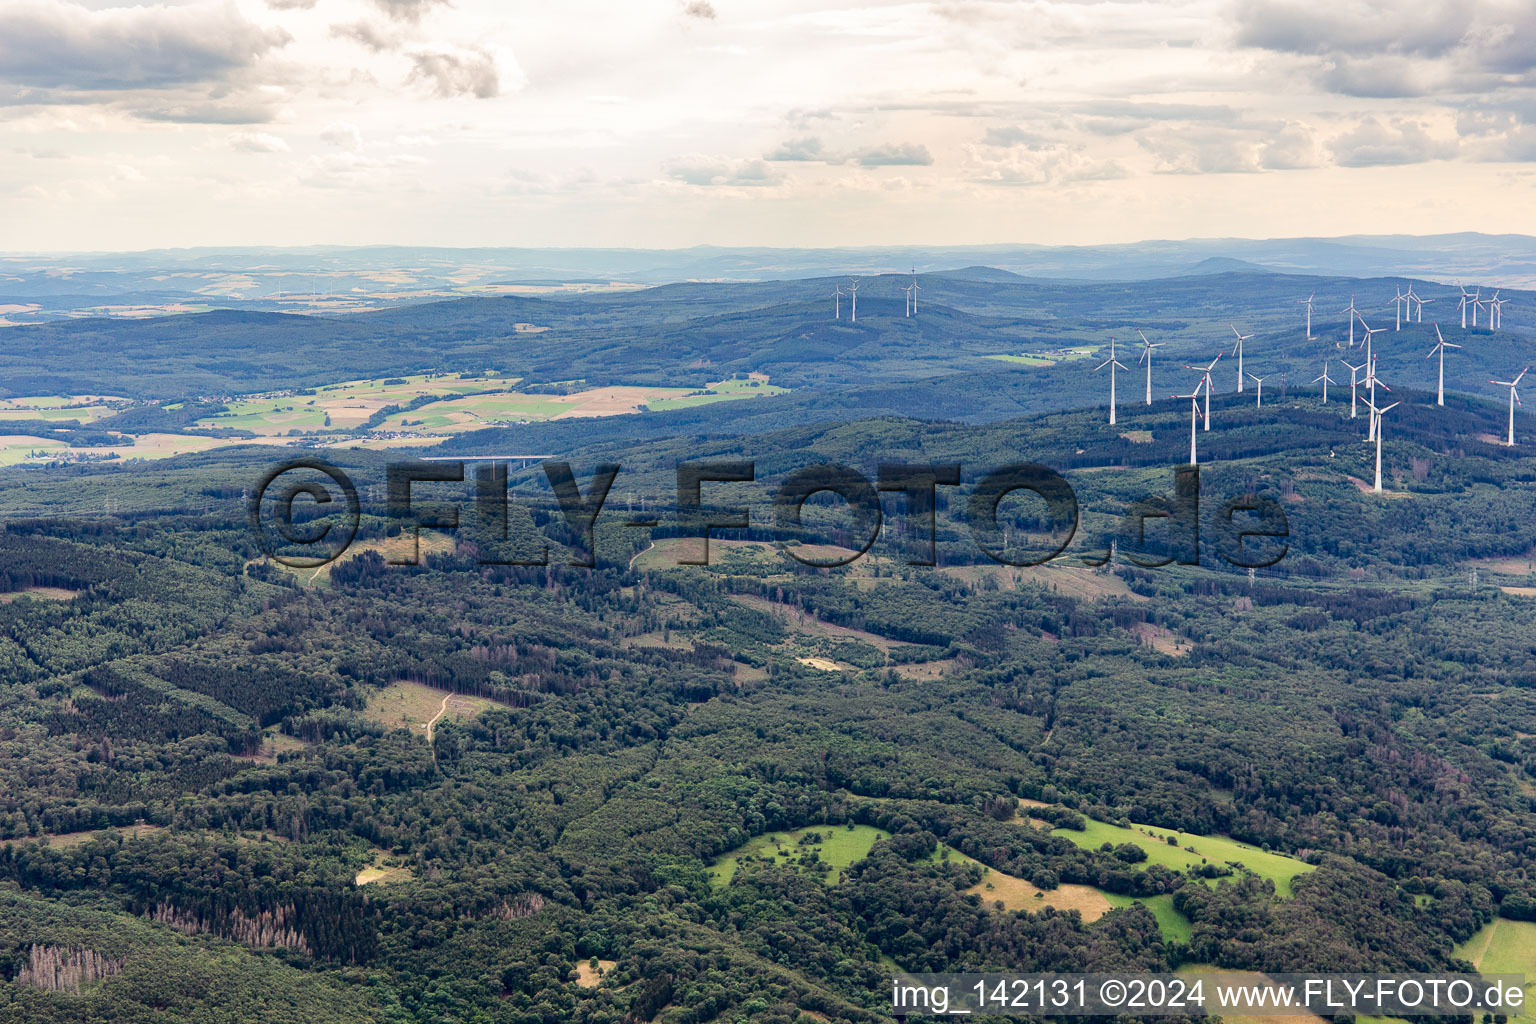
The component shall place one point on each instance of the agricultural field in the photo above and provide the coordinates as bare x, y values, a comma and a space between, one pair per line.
1506, 947
837, 847
1045, 358
722, 391
80, 409
1191, 851
347, 405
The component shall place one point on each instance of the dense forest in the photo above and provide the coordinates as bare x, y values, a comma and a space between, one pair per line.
208, 806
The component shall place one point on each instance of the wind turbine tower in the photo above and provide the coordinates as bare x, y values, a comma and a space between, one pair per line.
1353, 369
1237, 350
837, 302
915, 290
1326, 380
1194, 413
1353, 312
1112, 363
1205, 372
1259, 382
1146, 357
1440, 347
1376, 415
1308, 302
1514, 400
854, 291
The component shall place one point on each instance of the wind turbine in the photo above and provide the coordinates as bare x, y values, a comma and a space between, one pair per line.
1514, 400
1440, 347
1146, 357
1477, 304
837, 302
1353, 312
1194, 412
1370, 357
1205, 372
1496, 311
1308, 302
1397, 306
1373, 382
1111, 362
1420, 301
1353, 369
907, 291
1237, 350
915, 290
1376, 415
1260, 382
854, 289
1462, 306
1326, 380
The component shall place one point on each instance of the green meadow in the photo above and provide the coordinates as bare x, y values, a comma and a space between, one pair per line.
837, 847
1506, 947
725, 391
1191, 851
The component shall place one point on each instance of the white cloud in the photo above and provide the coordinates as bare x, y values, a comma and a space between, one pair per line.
1373, 144
258, 142
462, 72
342, 136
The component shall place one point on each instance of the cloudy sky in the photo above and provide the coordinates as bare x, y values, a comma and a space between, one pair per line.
776, 122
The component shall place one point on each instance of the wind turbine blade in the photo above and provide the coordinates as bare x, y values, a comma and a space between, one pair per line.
1101, 366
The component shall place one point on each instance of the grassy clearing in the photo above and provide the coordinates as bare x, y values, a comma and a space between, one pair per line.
39, 594
1191, 851
1506, 947
837, 847
67, 839
1174, 925
1090, 902
432, 542
1222, 976
586, 977
413, 706
382, 869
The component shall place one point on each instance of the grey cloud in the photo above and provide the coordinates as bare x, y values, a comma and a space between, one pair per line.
1380, 76
1373, 144
808, 149
407, 10
1008, 136
367, 34
468, 73
1431, 28
700, 9
292, 5
196, 112
66, 46
706, 171
902, 154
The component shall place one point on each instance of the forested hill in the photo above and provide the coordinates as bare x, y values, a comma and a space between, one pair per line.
752, 791
680, 334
